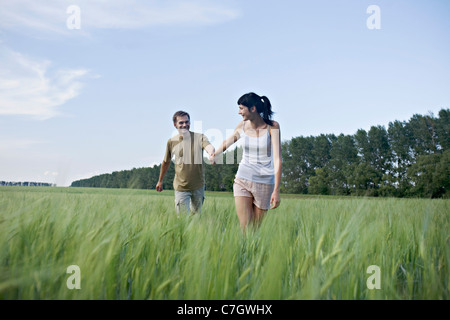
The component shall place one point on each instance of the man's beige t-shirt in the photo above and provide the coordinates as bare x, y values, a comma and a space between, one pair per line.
188, 153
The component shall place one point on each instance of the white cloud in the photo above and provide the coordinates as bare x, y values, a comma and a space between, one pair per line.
31, 87
9, 145
30, 14
51, 15
48, 173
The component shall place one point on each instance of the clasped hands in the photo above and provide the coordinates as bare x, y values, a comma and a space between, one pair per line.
212, 158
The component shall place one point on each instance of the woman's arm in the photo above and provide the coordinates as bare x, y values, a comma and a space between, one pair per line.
276, 147
228, 142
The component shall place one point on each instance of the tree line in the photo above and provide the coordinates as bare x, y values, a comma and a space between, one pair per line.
407, 159
26, 184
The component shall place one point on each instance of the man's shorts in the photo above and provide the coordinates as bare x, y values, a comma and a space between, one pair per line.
260, 192
186, 201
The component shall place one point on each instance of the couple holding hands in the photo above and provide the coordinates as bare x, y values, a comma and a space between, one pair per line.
256, 186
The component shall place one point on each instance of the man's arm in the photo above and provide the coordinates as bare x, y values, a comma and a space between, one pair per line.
206, 145
164, 167
211, 150
165, 164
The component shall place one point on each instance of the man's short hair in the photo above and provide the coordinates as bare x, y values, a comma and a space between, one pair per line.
180, 114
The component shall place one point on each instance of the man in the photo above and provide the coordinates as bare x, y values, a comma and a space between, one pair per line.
189, 181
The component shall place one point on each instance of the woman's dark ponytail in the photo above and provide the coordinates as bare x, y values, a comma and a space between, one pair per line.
267, 113
262, 104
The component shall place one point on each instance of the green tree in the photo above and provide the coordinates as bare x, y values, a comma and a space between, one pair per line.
321, 182
344, 156
424, 134
401, 143
297, 164
321, 149
363, 180
431, 175
443, 129
375, 152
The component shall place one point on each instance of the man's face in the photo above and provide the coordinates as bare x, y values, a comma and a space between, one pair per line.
183, 124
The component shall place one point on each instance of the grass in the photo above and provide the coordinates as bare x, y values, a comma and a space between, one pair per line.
130, 244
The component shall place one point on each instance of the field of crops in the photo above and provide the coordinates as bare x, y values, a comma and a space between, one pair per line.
130, 244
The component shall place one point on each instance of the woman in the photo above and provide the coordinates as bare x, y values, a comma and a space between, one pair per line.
257, 184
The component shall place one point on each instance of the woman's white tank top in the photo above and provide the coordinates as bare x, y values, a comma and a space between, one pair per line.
257, 159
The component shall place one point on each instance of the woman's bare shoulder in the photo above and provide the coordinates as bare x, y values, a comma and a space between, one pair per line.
275, 125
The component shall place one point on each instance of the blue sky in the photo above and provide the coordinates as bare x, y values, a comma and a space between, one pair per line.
80, 102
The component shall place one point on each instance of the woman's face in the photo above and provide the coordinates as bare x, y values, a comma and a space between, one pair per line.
244, 112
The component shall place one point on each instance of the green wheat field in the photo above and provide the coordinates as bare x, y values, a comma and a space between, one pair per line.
130, 244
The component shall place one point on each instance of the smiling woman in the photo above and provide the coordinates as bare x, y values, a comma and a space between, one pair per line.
257, 184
